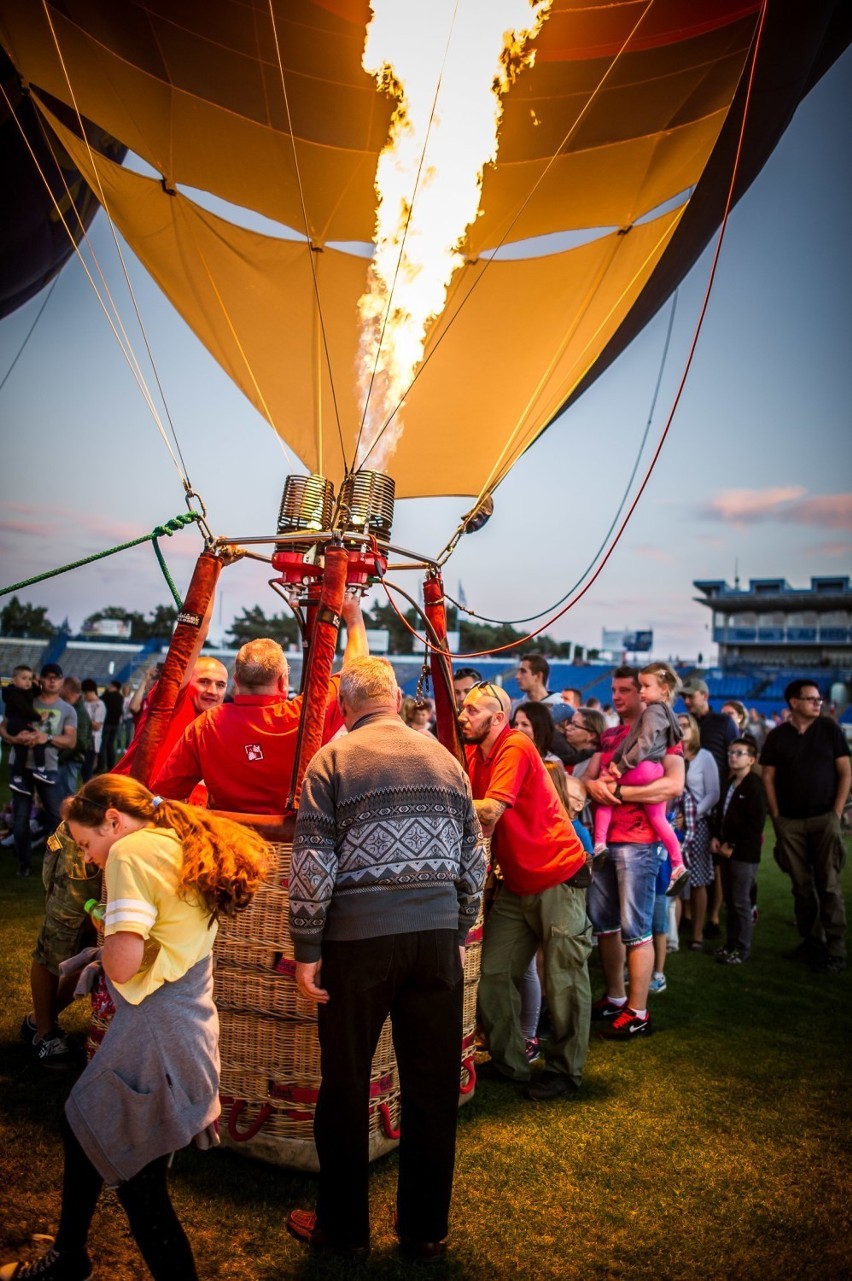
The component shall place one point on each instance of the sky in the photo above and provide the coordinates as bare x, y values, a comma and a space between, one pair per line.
755, 477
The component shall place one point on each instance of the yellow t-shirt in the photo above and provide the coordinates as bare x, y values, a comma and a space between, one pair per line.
142, 898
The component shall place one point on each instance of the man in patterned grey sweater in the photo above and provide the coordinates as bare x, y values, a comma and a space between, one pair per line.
386, 881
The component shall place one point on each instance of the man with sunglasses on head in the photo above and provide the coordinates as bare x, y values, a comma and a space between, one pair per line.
806, 776
540, 901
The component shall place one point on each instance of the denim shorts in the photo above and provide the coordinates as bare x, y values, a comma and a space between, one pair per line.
622, 893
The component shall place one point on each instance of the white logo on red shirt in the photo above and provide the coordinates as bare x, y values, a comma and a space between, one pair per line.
254, 751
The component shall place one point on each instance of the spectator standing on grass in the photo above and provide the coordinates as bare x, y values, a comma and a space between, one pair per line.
71, 758
702, 784
540, 900
716, 731
464, 679
97, 715
113, 701
621, 897
806, 774
58, 730
385, 884
737, 837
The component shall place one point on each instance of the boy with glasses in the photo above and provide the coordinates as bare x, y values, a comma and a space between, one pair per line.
737, 838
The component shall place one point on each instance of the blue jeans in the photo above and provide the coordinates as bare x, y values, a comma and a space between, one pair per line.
69, 778
21, 807
621, 896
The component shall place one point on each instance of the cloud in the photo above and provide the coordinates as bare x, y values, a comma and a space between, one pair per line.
651, 551
788, 503
832, 549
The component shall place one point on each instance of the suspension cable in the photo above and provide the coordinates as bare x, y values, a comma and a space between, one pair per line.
102, 197
30, 331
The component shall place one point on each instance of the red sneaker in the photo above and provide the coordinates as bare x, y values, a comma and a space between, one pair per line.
626, 1026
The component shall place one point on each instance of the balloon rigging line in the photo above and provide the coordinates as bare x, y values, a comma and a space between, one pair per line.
499, 649
184, 473
420, 165
490, 258
510, 622
29, 332
308, 238
121, 338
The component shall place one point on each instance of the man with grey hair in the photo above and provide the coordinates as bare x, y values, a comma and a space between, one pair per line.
244, 750
385, 883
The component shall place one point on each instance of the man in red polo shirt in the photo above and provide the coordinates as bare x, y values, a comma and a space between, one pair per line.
244, 751
540, 901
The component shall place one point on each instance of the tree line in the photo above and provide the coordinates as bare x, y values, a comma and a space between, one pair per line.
20, 619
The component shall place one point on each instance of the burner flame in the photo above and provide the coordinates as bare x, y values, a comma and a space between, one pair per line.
448, 63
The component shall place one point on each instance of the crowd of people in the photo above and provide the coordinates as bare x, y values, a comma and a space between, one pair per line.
607, 827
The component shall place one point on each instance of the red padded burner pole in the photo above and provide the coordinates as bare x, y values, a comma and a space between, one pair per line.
190, 619
442, 670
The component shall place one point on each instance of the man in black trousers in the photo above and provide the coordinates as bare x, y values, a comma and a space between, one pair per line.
386, 881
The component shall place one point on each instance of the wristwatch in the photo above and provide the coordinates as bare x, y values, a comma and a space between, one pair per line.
616, 791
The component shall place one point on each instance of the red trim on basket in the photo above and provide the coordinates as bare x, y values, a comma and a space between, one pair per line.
387, 1123
237, 1108
469, 1066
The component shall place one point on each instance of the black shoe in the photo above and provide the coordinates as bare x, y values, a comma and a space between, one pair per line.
551, 1085
421, 1251
302, 1224
712, 930
829, 965
809, 951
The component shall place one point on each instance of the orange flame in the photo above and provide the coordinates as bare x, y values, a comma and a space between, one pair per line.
448, 63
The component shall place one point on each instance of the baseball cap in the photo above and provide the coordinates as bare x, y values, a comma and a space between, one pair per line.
694, 686
560, 712
51, 669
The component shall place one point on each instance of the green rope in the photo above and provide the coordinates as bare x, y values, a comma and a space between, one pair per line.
160, 531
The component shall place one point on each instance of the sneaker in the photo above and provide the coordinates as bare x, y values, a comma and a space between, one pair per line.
626, 1026
679, 882
52, 1266
17, 784
533, 1049
551, 1085
45, 775
721, 954
604, 1008
658, 982
28, 1030
600, 854
53, 1051
734, 957
809, 950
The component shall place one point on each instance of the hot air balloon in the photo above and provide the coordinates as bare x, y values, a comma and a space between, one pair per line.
624, 131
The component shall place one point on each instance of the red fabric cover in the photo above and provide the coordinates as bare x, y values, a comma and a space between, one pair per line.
442, 673
148, 743
319, 662
534, 842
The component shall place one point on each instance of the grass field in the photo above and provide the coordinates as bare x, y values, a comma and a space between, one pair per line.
718, 1148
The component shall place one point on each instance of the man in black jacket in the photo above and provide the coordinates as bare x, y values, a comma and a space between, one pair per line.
737, 827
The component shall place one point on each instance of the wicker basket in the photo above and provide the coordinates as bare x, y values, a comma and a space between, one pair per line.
269, 1045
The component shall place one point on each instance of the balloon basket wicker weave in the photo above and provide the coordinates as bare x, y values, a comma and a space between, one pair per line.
268, 1037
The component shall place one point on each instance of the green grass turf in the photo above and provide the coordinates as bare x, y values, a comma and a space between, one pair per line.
716, 1148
